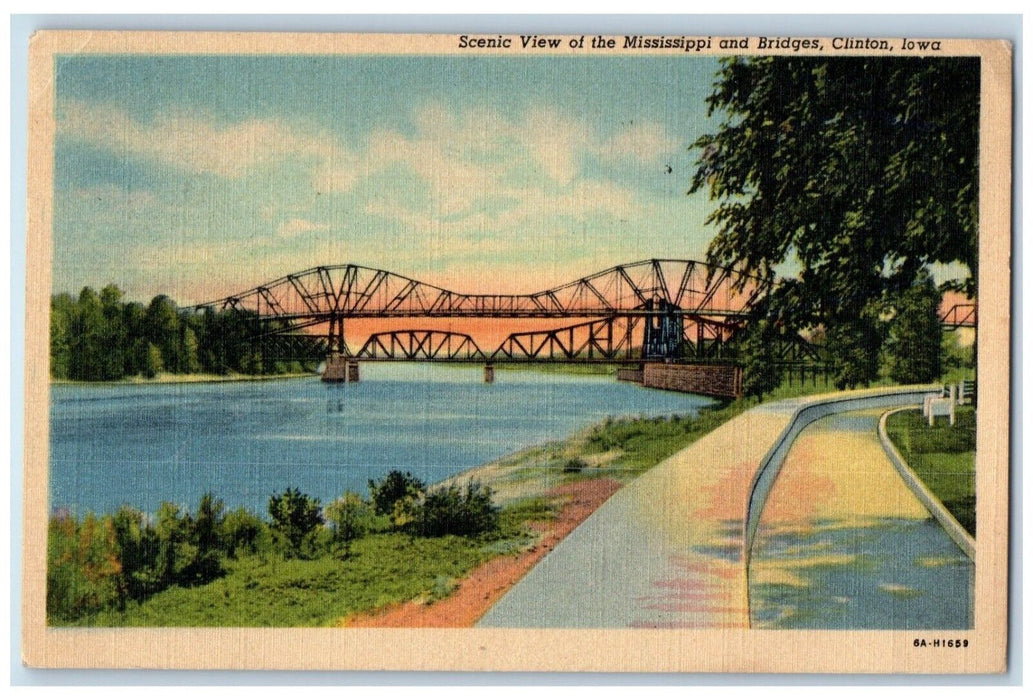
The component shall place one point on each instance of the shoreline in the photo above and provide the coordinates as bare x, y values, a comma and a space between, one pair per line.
164, 378
168, 378
485, 584
544, 473
571, 478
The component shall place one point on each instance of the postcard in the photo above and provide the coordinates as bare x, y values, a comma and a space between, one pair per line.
517, 353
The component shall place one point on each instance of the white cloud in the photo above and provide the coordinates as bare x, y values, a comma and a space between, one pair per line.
490, 172
188, 142
469, 191
296, 227
644, 142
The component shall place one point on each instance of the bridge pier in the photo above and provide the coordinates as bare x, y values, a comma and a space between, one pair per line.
722, 381
340, 369
489, 374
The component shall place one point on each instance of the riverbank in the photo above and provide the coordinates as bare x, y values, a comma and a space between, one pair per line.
570, 478
391, 577
543, 493
171, 378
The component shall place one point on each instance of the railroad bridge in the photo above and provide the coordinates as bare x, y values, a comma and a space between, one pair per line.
651, 311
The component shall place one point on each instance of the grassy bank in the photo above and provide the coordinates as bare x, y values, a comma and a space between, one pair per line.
943, 457
269, 591
263, 586
617, 448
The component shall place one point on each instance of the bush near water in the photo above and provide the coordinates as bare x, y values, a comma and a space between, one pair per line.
104, 563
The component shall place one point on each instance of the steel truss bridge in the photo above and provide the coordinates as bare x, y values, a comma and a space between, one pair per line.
653, 309
647, 310
959, 316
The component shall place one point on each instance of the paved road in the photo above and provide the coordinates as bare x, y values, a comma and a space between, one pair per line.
666, 551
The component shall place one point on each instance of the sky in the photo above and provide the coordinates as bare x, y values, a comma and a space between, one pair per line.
201, 176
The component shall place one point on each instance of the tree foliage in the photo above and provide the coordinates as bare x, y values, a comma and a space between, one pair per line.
350, 517
100, 337
82, 569
760, 372
241, 532
856, 173
295, 516
102, 562
916, 336
397, 496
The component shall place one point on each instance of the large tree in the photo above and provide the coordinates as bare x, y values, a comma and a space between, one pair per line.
916, 336
851, 175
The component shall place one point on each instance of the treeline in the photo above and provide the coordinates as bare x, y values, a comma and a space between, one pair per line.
903, 341
101, 337
104, 562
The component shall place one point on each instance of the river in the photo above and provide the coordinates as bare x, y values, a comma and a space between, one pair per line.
143, 444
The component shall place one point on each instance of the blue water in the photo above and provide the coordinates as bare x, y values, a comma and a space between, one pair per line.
144, 444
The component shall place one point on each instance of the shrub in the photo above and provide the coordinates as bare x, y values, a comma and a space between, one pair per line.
397, 496
137, 543
174, 550
574, 465
295, 517
206, 537
241, 530
450, 510
350, 518
82, 567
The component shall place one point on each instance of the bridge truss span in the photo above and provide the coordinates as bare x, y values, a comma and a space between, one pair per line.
354, 291
959, 316
421, 345
651, 308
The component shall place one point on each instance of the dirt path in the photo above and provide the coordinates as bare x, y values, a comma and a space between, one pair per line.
489, 581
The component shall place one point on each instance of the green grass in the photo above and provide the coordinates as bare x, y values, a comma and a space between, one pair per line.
623, 448
645, 442
943, 457
514, 516
263, 591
